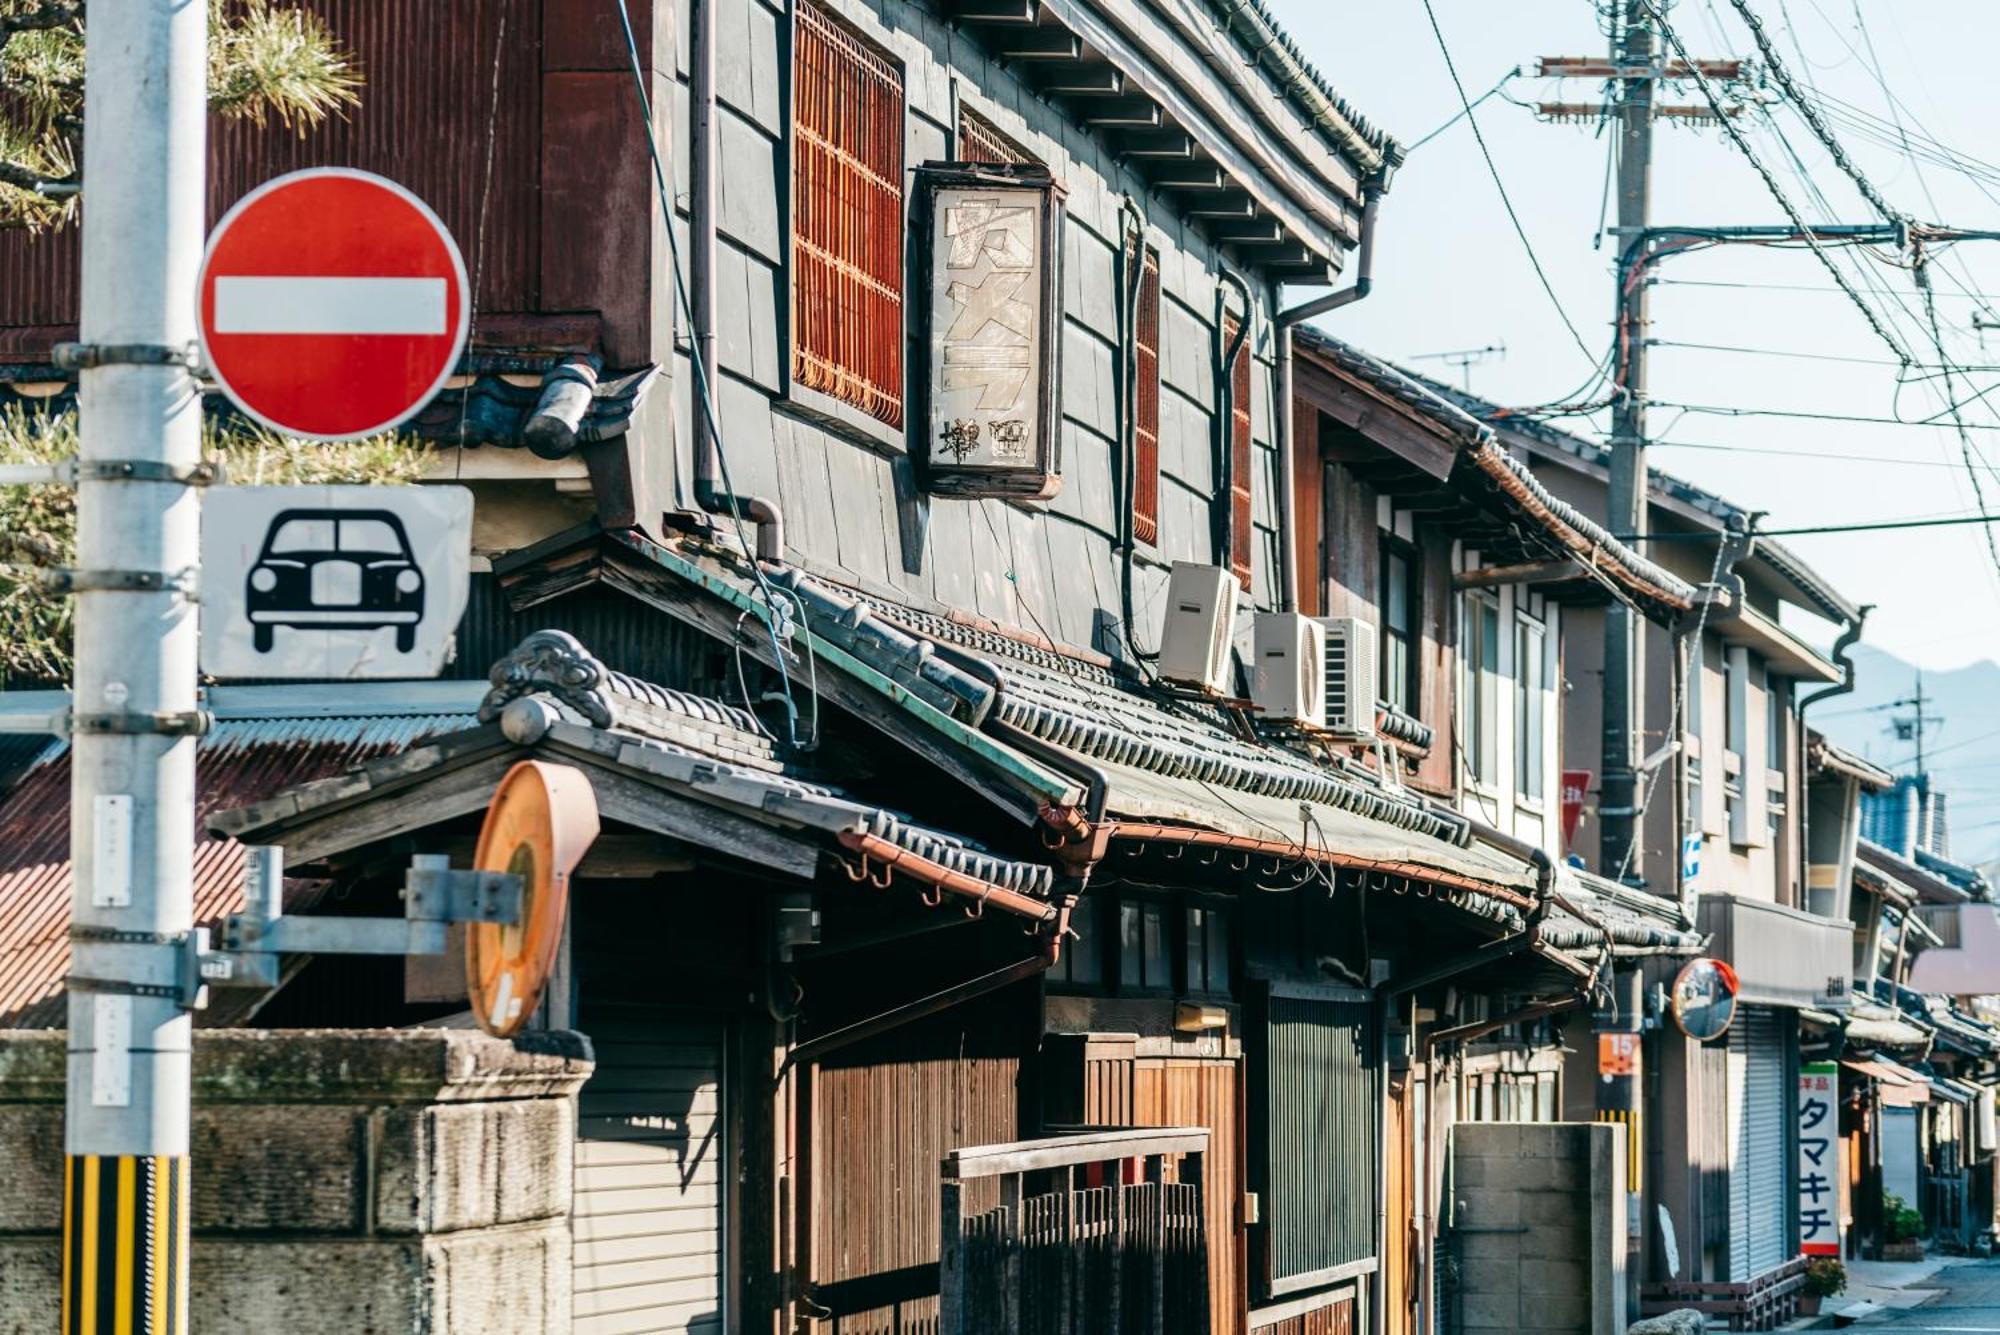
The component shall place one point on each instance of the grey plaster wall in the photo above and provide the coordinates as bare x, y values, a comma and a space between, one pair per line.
849, 495
1538, 1227
380, 1180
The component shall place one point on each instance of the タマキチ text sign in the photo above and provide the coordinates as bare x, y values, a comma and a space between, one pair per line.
333, 582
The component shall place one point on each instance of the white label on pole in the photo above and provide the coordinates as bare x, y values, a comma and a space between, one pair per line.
111, 1051
111, 851
334, 582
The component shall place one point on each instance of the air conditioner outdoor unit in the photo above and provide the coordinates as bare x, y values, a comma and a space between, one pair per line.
1289, 682
1351, 675
1201, 615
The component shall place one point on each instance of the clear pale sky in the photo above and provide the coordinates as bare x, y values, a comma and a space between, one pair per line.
1450, 273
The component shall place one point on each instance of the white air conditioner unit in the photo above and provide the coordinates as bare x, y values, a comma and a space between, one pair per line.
1351, 676
1201, 615
1289, 681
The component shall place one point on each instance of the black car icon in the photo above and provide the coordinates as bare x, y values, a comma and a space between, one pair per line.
335, 570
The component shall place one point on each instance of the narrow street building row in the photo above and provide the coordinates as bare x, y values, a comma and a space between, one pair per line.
1098, 773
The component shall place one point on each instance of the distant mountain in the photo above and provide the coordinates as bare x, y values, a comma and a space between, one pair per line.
1963, 750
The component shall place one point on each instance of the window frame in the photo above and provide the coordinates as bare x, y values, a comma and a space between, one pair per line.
1145, 498
1395, 548
1242, 516
1481, 688
1102, 942
824, 408
1531, 709
976, 126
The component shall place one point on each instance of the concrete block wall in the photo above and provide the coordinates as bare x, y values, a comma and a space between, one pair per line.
1537, 1227
344, 1180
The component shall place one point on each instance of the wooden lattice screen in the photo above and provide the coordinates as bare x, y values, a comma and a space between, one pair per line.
979, 140
1239, 456
847, 218
1146, 403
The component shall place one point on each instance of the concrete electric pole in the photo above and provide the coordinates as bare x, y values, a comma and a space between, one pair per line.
133, 716
1634, 52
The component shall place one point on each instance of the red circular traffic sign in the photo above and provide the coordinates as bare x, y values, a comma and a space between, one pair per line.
333, 303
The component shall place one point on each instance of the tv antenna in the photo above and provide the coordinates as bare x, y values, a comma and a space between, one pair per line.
1465, 359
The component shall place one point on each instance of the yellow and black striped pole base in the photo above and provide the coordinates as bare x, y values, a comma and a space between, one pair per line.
125, 1241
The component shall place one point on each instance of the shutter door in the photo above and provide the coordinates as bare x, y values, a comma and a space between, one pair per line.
1760, 1179
648, 1207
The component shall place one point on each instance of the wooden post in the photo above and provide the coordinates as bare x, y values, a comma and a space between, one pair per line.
951, 1259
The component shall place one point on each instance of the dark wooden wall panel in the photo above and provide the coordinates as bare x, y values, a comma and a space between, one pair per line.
453, 106
882, 1116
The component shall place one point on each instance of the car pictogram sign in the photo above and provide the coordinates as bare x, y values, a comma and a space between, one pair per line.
333, 304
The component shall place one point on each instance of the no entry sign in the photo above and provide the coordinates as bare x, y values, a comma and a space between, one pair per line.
333, 303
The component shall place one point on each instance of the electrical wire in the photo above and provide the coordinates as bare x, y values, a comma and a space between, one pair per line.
1808, 415
1493, 170
1460, 115
1743, 350
1777, 193
1880, 526
1814, 455
1810, 115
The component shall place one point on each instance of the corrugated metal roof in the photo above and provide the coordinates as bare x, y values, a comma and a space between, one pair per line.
238, 761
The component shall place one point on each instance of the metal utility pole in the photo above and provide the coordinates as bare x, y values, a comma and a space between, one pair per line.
133, 713
1634, 52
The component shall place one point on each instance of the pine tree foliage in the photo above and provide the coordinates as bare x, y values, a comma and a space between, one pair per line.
265, 62
38, 523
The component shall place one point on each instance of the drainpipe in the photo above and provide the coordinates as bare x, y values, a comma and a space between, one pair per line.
711, 490
1842, 651
1282, 324
1225, 406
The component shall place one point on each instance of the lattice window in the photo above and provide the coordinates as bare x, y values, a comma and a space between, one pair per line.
1146, 403
1239, 456
980, 140
847, 217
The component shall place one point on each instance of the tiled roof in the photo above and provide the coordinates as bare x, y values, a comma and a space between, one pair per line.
239, 759
1570, 529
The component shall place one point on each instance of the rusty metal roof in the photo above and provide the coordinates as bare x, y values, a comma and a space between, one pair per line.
238, 761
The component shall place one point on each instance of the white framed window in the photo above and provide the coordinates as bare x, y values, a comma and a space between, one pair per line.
1533, 678
1482, 687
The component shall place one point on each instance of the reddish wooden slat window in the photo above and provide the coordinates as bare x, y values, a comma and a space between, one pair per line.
1239, 456
980, 140
1146, 403
847, 218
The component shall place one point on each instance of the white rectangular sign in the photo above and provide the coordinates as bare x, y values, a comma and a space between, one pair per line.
307, 305
1819, 1174
986, 327
111, 851
333, 582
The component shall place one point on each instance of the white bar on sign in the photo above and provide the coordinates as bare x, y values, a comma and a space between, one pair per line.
306, 305
111, 1051
111, 849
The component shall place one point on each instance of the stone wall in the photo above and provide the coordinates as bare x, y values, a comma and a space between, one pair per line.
344, 1180
1538, 1227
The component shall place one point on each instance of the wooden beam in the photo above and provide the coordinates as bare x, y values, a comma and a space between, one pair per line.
1085, 78
1229, 208
1191, 176
1247, 232
996, 11
1037, 44
1164, 145
1527, 572
1125, 112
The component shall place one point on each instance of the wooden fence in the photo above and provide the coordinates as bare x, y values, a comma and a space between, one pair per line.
1089, 1238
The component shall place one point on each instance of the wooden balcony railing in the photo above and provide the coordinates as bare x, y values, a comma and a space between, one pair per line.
1090, 1236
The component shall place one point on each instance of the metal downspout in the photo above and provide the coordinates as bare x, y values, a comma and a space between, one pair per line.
1282, 324
1842, 649
1225, 408
710, 493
